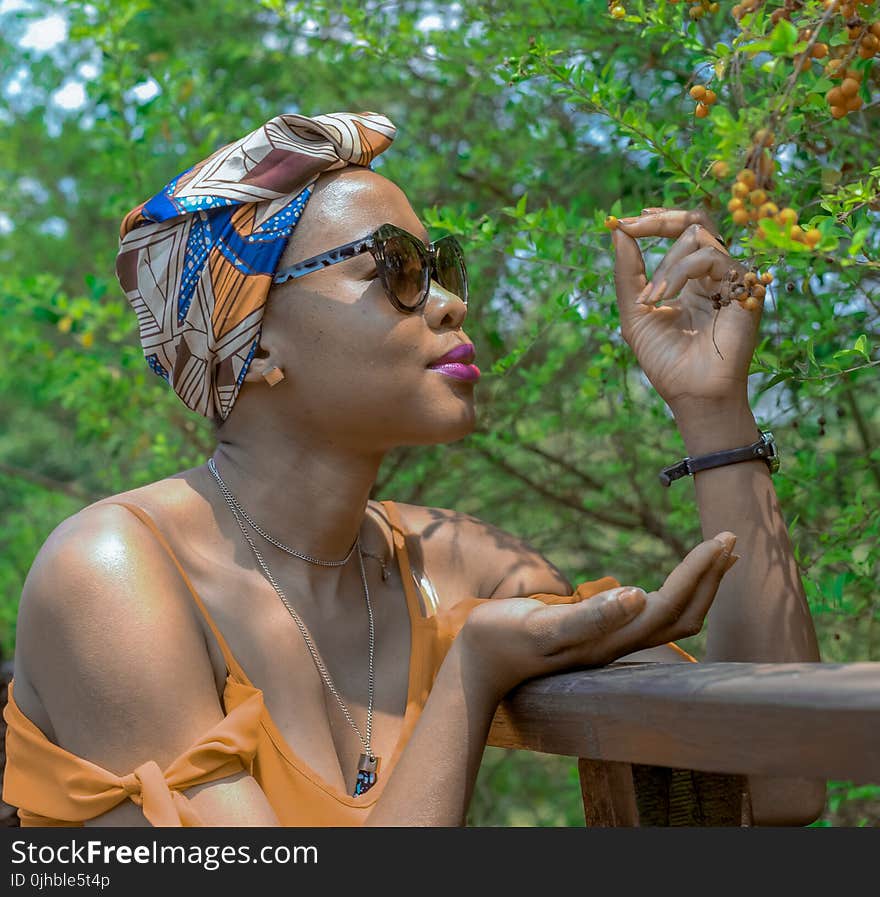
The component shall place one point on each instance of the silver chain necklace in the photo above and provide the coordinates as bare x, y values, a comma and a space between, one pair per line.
368, 765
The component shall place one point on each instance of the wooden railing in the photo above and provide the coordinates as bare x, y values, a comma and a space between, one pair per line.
668, 744
672, 744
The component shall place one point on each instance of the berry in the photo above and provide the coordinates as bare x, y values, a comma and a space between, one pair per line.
720, 169
740, 189
796, 234
611, 222
617, 11
788, 217
750, 278
819, 51
837, 111
756, 197
849, 87
758, 291
741, 216
747, 177
750, 304
768, 210
710, 97
702, 110
853, 103
734, 205
766, 278
765, 137
697, 92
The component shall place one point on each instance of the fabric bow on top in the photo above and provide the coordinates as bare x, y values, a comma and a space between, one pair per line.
196, 260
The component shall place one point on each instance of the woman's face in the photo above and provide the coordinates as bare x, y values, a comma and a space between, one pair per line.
356, 368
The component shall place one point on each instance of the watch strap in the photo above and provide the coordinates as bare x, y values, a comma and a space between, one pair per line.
762, 450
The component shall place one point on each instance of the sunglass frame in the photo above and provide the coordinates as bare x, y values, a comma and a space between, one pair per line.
375, 243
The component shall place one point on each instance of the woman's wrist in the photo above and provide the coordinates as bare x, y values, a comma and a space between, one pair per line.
464, 671
707, 427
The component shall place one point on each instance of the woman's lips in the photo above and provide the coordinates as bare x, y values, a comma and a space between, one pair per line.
458, 363
458, 370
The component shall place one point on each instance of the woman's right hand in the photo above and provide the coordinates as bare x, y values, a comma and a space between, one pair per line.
508, 640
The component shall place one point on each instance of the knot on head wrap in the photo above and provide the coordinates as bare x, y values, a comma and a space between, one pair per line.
196, 260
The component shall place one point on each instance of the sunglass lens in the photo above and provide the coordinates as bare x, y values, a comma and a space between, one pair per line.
404, 270
451, 271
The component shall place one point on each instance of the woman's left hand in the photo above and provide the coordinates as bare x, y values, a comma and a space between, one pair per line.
675, 344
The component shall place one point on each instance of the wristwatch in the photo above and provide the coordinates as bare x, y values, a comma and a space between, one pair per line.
764, 448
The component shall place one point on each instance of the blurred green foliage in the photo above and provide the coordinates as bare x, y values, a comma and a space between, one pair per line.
522, 125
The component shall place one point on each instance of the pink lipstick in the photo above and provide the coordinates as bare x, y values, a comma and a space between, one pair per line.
458, 363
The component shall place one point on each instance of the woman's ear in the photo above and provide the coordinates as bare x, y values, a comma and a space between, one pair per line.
258, 367
261, 364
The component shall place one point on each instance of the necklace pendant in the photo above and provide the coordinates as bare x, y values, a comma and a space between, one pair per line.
368, 769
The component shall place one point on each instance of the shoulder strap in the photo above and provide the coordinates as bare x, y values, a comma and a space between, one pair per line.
399, 534
145, 518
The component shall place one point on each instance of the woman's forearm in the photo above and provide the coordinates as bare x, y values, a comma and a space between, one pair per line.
760, 612
434, 777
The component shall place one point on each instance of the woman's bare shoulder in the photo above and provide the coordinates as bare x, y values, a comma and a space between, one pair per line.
488, 561
99, 587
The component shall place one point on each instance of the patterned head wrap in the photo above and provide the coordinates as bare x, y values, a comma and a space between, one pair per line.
196, 261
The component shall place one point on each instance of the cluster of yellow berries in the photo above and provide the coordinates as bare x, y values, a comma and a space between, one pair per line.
863, 36
862, 41
700, 8
704, 97
845, 97
744, 6
753, 289
750, 203
786, 10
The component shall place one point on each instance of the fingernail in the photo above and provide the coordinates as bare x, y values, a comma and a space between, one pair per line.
630, 599
644, 292
727, 539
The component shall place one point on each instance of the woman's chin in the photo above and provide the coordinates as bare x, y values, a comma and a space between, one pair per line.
448, 428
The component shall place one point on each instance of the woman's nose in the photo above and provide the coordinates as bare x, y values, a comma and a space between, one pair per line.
443, 308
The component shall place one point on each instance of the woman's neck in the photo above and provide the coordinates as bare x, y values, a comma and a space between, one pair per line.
312, 498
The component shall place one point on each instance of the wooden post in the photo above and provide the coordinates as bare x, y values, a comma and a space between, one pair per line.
637, 795
608, 793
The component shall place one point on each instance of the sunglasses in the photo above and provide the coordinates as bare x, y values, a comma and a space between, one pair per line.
405, 265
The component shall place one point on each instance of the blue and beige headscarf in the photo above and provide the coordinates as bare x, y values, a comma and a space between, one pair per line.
196, 260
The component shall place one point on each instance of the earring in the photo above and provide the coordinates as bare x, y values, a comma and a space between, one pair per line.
274, 375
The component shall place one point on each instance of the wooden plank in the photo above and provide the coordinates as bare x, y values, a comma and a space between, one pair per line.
812, 720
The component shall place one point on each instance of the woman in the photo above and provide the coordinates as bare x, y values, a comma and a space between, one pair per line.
233, 645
